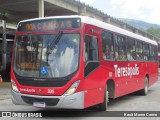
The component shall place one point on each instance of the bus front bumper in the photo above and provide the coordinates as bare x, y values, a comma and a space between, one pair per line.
74, 101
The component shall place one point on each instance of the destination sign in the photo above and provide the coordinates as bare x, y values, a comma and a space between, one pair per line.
50, 24
26, 65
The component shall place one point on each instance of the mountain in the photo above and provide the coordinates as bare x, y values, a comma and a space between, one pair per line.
139, 24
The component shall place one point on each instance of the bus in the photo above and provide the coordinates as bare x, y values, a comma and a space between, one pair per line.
75, 62
159, 53
5, 73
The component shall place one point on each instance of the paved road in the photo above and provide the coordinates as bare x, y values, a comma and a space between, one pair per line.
130, 102
4, 92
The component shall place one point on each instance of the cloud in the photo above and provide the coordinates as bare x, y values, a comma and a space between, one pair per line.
147, 10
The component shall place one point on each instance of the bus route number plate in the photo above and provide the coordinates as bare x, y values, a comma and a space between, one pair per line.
39, 104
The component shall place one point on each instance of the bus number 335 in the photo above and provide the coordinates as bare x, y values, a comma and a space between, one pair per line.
51, 91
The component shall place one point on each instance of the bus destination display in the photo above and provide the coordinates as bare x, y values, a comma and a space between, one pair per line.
50, 24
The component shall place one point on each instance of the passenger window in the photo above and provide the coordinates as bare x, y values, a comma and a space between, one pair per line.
131, 53
91, 48
107, 45
139, 51
146, 51
120, 48
152, 53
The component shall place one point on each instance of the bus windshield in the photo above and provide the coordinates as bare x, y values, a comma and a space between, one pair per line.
32, 58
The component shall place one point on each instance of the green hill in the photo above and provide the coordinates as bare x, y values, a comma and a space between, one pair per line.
139, 24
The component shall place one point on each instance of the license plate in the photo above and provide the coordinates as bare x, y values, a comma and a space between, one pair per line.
39, 104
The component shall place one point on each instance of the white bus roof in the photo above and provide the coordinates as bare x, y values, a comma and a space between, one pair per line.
92, 21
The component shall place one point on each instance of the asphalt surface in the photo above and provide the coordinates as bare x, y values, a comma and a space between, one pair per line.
131, 102
4, 92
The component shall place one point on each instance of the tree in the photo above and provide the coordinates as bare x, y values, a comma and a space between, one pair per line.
154, 31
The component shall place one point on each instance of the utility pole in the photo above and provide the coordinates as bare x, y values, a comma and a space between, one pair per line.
4, 45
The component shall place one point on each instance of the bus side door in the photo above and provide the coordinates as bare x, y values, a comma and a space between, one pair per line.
92, 73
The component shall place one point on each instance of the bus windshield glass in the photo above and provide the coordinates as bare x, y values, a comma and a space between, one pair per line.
32, 58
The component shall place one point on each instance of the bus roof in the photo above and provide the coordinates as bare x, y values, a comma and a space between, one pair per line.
98, 23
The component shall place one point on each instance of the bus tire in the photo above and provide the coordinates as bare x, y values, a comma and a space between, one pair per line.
144, 91
103, 106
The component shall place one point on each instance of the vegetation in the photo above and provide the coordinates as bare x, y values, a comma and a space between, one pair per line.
140, 24
4, 14
154, 31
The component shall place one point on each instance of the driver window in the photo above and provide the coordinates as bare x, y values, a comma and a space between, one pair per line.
91, 49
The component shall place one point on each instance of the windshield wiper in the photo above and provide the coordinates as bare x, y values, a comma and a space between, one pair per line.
53, 44
55, 41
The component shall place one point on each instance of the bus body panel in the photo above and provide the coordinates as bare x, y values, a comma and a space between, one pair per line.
94, 86
153, 72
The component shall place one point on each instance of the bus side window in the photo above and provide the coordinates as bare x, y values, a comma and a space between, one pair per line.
120, 48
91, 49
146, 51
131, 49
152, 53
107, 45
139, 50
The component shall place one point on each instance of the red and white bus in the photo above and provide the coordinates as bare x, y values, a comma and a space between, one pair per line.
76, 62
159, 53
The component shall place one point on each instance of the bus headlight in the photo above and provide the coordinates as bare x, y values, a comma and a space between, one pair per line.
14, 87
73, 88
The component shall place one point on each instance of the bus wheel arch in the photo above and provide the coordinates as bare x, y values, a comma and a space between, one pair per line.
144, 91
103, 106
111, 88
147, 75
109, 92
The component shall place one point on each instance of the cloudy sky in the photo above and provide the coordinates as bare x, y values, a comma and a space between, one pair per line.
145, 10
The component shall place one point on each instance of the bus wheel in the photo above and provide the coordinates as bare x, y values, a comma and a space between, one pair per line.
103, 106
144, 91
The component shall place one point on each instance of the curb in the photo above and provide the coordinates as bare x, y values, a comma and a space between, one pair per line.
5, 84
